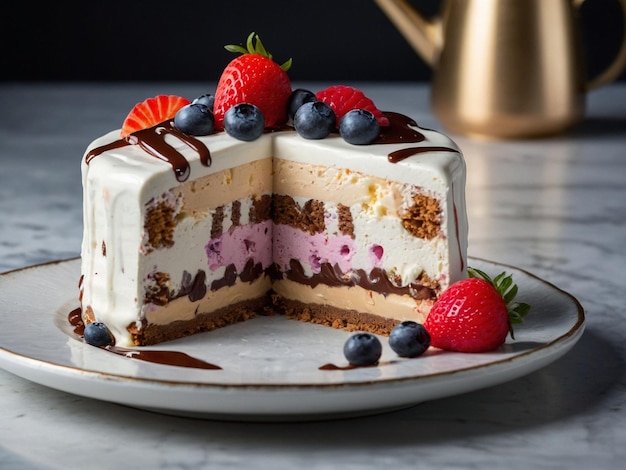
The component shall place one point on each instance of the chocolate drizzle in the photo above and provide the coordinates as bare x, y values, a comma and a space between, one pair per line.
152, 140
402, 130
168, 358
104, 148
76, 321
331, 366
399, 155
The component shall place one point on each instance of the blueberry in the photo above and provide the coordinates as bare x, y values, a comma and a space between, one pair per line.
362, 349
97, 334
298, 97
206, 99
314, 120
409, 339
359, 127
194, 119
244, 122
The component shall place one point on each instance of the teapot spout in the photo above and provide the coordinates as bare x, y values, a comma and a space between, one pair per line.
423, 34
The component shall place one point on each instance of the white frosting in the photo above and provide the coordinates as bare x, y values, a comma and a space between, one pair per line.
119, 183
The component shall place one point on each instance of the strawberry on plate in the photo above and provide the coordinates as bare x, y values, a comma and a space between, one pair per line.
254, 78
475, 314
151, 112
343, 98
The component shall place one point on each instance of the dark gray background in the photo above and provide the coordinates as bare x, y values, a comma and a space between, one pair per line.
338, 40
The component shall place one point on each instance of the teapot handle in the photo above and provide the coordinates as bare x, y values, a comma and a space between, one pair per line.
619, 62
422, 33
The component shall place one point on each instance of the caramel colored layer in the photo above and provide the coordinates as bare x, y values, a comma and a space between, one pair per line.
356, 298
250, 180
152, 333
332, 184
182, 309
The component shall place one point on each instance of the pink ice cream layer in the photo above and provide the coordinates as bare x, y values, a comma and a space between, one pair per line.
240, 244
267, 243
314, 250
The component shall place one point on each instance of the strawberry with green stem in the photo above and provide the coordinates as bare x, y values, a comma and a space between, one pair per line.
254, 78
475, 314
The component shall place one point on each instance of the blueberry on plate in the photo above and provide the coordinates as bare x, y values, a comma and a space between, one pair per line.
409, 339
362, 349
97, 334
298, 97
194, 119
207, 99
314, 120
244, 121
359, 127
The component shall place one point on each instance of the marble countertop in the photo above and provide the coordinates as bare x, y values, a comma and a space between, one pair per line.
555, 207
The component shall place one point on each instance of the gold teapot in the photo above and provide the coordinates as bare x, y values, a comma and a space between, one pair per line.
504, 69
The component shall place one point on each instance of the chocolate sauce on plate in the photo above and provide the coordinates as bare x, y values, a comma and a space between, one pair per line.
168, 358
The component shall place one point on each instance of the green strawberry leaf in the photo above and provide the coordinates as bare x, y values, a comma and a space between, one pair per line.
255, 46
508, 290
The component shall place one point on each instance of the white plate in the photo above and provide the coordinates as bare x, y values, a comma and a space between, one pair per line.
270, 366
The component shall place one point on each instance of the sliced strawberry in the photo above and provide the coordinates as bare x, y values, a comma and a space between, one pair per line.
343, 98
151, 112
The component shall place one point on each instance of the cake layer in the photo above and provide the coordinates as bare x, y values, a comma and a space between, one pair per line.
329, 315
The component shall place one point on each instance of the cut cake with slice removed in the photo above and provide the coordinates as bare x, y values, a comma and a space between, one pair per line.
217, 230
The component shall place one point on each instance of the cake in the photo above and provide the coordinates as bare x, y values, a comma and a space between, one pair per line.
189, 233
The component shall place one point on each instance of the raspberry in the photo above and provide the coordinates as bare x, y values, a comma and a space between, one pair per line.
342, 98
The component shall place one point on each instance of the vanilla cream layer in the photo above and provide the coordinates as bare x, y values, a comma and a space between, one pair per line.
397, 307
250, 180
375, 196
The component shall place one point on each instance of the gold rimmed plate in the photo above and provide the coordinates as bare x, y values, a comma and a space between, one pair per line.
266, 369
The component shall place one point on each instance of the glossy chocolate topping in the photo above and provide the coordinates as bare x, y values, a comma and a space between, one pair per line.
402, 129
152, 140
